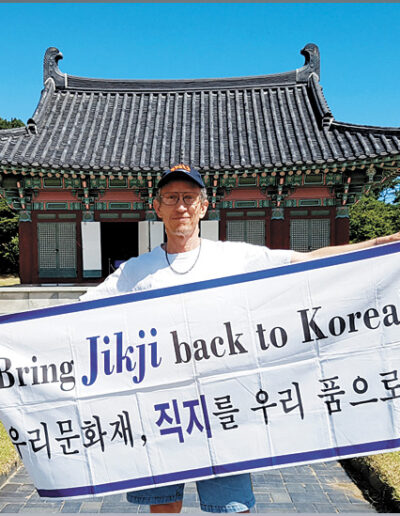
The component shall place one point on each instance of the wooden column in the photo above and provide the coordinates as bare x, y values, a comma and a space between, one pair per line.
278, 238
342, 226
27, 233
222, 225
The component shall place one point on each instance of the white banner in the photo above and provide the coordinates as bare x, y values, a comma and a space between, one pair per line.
268, 369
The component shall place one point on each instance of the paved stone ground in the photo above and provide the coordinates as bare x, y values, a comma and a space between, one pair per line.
323, 488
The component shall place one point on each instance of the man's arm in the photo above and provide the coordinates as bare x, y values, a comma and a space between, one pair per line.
338, 249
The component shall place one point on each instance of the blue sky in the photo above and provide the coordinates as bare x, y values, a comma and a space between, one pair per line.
359, 46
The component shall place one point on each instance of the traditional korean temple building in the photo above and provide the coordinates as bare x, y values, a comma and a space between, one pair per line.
280, 170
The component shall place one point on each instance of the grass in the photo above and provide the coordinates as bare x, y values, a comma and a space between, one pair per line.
387, 468
8, 454
9, 280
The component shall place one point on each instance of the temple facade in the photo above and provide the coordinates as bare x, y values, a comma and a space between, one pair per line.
279, 169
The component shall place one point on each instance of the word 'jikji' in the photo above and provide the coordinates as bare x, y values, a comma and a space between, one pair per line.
120, 358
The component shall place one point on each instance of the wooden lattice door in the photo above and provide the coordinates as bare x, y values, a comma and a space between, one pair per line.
57, 249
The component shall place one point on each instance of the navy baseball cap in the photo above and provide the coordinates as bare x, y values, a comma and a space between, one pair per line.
181, 171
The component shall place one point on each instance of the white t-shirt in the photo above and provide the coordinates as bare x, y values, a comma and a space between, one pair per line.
216, 259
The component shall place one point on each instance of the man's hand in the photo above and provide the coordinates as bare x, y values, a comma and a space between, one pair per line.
338, 249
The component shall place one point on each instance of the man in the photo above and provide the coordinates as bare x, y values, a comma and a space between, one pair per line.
181, 203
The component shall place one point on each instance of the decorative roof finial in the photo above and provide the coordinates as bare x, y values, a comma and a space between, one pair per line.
50, 67
311, 53
312, 62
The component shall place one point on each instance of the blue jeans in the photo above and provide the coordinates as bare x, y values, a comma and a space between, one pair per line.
222, 494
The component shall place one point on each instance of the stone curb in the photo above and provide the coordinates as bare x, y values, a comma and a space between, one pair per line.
379, 492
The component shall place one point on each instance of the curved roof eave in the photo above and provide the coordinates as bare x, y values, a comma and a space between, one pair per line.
364, 128
14, 131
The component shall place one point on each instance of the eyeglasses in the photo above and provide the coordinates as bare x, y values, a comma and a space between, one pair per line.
171, 199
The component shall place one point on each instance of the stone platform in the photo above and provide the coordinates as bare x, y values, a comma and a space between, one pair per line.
27, 297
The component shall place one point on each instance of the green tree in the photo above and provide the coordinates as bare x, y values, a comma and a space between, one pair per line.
10, 124
9, 251
372, 217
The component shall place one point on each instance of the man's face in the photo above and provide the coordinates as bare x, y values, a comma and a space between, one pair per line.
181, 219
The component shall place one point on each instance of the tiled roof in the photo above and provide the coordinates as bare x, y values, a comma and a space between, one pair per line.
228, 123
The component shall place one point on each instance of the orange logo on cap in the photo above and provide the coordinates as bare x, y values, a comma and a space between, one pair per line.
181, 166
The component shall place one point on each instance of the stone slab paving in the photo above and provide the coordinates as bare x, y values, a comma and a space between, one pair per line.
317, 488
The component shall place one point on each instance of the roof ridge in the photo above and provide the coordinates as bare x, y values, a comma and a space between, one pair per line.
71, 82
45, 100
324, 113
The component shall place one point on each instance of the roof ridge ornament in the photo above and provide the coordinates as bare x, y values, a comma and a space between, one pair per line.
50, 67
31, 127
311, 65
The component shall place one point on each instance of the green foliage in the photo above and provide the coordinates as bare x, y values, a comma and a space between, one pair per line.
10, 255
9, 251
10, 124
371, 217
5, 210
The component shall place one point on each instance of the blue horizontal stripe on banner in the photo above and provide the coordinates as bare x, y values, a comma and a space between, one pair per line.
284, 270
236, 467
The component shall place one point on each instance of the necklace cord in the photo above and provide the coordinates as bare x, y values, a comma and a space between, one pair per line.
190, 268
